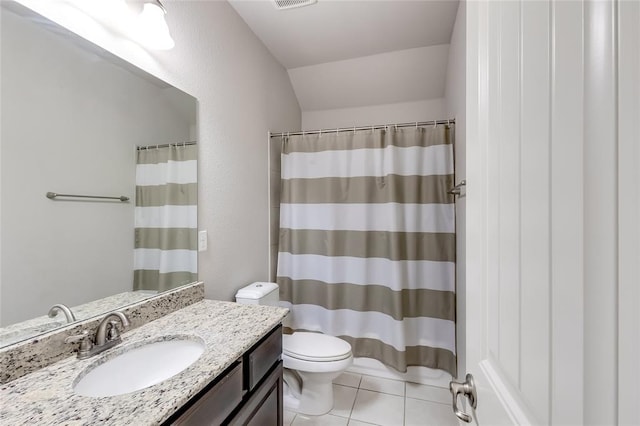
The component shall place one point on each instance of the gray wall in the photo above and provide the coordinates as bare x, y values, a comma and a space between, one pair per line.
70, 122
403, 112
243, 92
455, 100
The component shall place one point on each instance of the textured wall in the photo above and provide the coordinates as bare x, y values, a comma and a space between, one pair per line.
70, 122
243, 92
400, 76
430, 109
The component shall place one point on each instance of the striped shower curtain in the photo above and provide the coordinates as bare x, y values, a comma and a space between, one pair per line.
367, 242
165, 254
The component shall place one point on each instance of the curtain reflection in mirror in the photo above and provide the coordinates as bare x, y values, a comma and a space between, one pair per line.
165, 254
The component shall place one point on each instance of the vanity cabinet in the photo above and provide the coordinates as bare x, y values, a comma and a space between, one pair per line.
264, 407
216, 402
249, 392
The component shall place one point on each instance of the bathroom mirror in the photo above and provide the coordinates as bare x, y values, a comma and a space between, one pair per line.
72, 117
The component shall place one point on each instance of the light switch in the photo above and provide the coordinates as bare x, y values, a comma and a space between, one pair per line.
202, 240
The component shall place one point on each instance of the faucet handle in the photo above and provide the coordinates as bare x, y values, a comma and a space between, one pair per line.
84, 334
85, 343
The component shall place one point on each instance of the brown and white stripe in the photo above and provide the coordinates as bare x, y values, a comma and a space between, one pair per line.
367, 242
165, 253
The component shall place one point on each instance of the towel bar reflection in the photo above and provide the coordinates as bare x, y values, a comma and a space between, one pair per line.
457, 190
52, 195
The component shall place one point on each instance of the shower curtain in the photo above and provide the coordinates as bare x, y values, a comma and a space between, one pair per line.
367, 241
165, 254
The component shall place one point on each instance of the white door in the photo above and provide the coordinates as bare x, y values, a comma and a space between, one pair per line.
495, 206
552, 210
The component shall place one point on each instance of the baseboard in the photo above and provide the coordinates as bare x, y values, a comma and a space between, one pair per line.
422, 375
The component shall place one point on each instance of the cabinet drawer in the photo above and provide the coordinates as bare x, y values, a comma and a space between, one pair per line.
267, 413
262, 357
215, 404
264, 407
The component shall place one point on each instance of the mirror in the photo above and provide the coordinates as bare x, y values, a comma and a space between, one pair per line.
72, 117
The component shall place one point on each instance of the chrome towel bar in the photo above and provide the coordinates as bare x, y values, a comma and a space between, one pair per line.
52, 195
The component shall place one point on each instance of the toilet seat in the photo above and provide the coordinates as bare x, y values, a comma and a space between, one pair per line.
315, 347
302, 366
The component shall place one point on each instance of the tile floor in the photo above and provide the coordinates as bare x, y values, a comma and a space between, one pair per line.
365, 400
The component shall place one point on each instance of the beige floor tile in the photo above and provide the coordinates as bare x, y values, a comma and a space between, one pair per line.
378, 408
378, 384
427, 413
359, 423
288, 417
428, 393
326, 420
348, 379
343, 398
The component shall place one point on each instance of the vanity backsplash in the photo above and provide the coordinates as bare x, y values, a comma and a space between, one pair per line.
30, 355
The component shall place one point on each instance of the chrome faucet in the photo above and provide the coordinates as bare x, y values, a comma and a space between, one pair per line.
55, 309
104, 336
107, 336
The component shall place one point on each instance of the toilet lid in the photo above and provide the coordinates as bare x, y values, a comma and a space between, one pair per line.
315, 347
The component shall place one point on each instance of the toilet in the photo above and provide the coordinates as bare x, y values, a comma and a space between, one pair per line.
311, 360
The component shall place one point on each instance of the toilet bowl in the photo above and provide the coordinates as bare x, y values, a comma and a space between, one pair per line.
311, 360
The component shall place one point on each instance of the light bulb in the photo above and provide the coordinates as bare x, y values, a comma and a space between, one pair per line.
152, 30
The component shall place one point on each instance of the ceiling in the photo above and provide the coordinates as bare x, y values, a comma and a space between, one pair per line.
333, 44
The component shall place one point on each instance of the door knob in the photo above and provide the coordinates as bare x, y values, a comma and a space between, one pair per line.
468, 389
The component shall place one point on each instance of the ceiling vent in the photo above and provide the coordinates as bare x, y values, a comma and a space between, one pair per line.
290, 4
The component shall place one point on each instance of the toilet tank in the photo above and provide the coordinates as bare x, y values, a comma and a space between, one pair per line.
259, 293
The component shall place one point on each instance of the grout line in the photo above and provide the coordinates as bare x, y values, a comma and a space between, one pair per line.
384, 393
404, 406
429, 400
353, 406
404, 411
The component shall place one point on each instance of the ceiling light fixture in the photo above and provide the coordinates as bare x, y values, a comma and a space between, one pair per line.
291, 4
153, 30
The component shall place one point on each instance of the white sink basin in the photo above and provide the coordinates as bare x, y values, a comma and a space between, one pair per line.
139, 367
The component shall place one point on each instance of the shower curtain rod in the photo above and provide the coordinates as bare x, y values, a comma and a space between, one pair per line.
166, 145
353, 129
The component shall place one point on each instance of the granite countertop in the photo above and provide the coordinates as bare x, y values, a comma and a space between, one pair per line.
46, 397
26, 329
